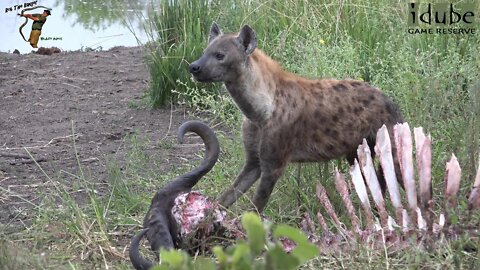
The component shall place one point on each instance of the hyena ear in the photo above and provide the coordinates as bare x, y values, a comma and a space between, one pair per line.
214, 32
248, 39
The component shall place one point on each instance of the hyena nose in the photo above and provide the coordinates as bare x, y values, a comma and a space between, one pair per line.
194, 68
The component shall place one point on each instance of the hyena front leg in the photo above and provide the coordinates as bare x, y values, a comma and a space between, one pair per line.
271, 172
274, 160
251, 170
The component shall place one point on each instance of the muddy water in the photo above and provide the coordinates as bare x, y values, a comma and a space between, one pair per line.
75, 24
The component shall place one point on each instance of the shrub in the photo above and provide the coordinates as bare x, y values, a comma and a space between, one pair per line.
256, 252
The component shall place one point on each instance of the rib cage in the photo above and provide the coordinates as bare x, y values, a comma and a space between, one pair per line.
416, 218
390, 220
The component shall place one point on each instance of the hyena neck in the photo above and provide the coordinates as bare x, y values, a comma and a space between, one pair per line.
253, 90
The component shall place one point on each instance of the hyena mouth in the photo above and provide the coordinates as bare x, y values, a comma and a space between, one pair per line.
204, 79
199, 79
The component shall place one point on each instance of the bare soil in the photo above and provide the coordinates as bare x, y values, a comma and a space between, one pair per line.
42, 97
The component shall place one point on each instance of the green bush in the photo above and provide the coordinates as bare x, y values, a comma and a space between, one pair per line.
434, 78
256, 252
178, 32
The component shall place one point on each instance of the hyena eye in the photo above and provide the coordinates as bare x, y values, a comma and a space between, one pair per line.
219, 56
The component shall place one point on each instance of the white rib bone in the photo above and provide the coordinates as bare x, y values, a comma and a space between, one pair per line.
423, 146
361, 190
383, 150
365, 157
453, 180
452, 185
422, 223
342, 189
405, 220
403, 141
327, 205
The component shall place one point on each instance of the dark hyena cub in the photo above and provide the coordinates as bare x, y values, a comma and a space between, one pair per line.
287, 117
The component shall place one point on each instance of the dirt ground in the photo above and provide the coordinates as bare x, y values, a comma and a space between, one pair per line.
41, 96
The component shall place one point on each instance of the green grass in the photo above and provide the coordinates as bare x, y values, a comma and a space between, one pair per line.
364, 40
176, 31
434, 79
74, 235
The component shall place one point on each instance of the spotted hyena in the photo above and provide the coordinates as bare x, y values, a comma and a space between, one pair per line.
288, 117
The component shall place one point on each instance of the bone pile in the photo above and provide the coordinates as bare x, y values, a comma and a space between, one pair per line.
412, 218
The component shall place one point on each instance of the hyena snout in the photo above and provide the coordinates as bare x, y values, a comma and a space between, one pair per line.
199, 71
203, 71
195, 68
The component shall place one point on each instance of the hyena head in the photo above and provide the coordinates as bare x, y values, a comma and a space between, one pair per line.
224, 56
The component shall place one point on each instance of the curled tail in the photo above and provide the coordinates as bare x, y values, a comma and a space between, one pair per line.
186, 182
159, 225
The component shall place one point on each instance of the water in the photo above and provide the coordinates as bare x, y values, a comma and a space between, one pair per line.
76, 24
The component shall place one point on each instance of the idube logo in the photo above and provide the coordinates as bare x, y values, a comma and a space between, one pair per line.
442, 18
